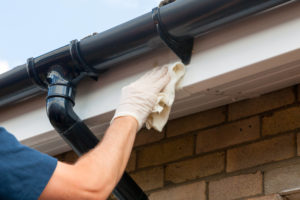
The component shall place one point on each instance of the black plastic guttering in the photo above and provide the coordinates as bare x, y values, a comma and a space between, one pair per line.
183, 18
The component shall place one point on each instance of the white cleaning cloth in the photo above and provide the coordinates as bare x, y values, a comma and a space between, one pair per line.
160, 113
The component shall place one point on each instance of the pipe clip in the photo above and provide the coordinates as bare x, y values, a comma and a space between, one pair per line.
61, 90
181, 46
80, 62
33, 74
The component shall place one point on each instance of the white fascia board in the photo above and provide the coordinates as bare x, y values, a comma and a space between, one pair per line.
291, 194
239, 61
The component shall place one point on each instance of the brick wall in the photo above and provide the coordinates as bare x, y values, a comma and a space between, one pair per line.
245, 150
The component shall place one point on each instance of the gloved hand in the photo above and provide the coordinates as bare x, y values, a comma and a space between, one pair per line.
139, 98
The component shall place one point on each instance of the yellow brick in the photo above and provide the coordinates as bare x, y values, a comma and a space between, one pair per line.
268, 197
275, 149
149, 179
166, 151
195, 168
195, 122
59, 157
191, 191
298, 144
236, 187
227, 135
68, 157
132, 162
112, 197
145, 136
298, 88
261, 104
281, 121
71, 157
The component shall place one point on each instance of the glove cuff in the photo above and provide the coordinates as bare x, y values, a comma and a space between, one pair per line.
123, 114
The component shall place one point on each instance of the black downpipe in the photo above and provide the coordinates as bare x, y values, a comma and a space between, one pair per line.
180, 19
60, 102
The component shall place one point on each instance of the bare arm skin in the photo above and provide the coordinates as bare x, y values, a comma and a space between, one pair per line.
96, 173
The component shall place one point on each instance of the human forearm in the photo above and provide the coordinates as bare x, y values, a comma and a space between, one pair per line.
108, 160
96, 173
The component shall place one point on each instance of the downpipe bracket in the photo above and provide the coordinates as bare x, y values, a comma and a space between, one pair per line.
181, 46
33, 74
81, 68
61, 90
79, 62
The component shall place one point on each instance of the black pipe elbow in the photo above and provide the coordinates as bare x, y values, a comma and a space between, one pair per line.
60, 102
69, 126
60, 99
60, 113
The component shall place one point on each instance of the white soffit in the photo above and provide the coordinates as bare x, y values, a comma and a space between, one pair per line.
291, 194
240, 61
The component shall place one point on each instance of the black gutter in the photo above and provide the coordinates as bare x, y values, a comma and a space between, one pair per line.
181, 19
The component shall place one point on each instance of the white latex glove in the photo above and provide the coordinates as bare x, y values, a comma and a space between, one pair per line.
139, 98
